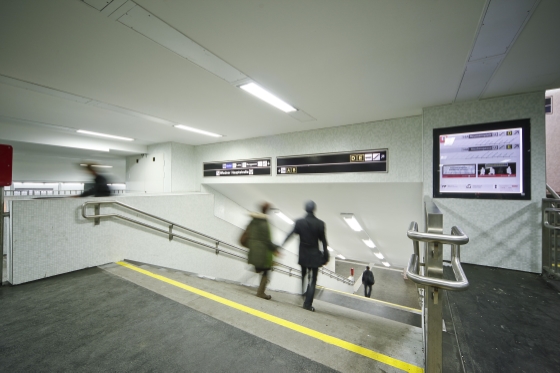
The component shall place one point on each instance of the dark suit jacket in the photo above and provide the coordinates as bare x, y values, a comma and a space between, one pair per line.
311, 230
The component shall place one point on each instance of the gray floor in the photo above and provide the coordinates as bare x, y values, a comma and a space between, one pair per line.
93, 321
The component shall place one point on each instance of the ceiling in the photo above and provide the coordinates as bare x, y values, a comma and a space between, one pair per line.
73, 64
66, 65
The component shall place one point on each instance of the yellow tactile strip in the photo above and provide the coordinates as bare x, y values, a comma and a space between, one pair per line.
285, 323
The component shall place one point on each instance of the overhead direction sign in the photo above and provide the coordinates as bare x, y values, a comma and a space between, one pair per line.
354, 161
245, 167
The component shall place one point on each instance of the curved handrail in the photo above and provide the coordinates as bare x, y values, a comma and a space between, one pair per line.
546, 224
456, 238
552, 191
279, 267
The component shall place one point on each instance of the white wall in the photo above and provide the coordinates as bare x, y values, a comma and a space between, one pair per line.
505, 234
50, 237
46, 168
553, 142
401, 136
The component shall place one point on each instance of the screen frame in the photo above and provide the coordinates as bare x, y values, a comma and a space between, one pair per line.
524, 124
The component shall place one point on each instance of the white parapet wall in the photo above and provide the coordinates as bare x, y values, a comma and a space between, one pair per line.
50, 237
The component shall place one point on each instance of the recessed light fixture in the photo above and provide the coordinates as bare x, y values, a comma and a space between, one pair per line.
386, 264
281, 215
379, 255
340, 256
105, 135
352, 222
369, 243
330, 248
96, 165
196, 130
268, 97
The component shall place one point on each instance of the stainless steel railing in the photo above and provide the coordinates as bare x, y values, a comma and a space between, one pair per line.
278, 267
431, 281
551, 237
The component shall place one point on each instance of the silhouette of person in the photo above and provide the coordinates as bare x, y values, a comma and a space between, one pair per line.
310, 230
100, 187
261, 248
368, 281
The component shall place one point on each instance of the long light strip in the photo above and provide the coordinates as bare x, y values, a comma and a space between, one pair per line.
330, 248
379, 255
268, 97
386, 264
281, 215
196, 130
340, 256
96, 165
369, 243
105, 135
352, 222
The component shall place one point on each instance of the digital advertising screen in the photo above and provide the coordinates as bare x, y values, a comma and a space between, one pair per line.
488, 161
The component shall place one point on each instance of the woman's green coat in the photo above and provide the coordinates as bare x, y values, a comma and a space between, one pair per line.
260, 246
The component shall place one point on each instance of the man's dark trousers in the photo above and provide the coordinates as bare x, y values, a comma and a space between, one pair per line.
311, 287
367, 290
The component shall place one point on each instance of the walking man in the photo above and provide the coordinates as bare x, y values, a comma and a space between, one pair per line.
367, 280
310, 230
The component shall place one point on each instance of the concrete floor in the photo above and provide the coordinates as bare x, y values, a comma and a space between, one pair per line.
507, 321
93, 321
395, 339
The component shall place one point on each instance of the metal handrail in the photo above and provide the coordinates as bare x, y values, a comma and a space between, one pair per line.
546, 224
554, 194
458, 237
279, 267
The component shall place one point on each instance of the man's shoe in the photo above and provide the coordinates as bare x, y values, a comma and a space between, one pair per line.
264, 296
312, 309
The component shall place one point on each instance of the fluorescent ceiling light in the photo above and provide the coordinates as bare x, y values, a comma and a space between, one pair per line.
369, 243
379, 255
268, 97
330, 248
196, 130
105, 135
386, 264
352, 222
340, 256
96, 165
86, 148
281, 215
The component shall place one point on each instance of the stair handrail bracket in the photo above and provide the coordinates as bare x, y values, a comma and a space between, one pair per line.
457, 238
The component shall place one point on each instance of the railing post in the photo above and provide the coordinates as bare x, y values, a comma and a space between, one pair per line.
170, 232
97, 211
433, 258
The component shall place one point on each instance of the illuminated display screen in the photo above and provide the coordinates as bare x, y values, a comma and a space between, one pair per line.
483, 161
247, 167
354, 161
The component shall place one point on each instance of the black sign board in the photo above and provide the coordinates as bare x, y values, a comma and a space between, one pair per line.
354, 161
245, 167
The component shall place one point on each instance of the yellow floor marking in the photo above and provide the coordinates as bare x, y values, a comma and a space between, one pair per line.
415, 310
285, 323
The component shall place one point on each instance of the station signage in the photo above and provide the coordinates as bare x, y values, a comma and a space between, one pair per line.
245, 167
354, 161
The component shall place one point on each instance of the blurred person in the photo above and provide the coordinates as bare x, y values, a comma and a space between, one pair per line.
310, 230
367, 280
100, 187
261, 249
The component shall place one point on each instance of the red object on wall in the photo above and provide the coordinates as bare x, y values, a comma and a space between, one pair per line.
6, 159
352, 271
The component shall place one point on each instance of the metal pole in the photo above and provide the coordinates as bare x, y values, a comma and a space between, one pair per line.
433, 295
1, 233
